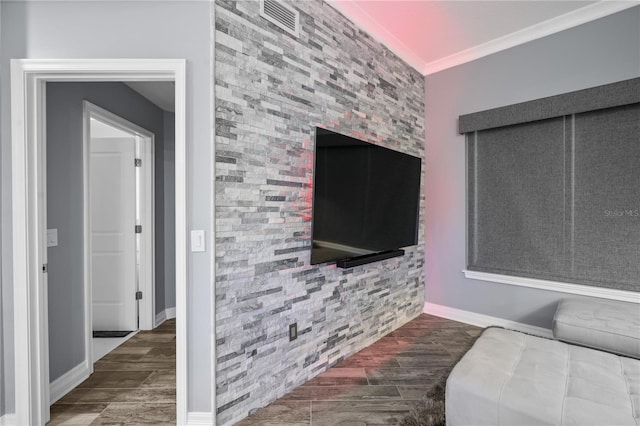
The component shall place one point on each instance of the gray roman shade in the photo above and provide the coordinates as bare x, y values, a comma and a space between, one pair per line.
554, 187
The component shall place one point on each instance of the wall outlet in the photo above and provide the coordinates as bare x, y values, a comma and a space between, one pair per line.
293, 331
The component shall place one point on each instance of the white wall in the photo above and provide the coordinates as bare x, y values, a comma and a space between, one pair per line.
596, 53
145, 29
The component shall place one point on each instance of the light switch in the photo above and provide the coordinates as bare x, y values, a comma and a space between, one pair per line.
52, 237
197, 241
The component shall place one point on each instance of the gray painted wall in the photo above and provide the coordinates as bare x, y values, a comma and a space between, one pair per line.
11, 40
596, 53
168, 157
2, 345
271, 91
144, 29
65, 204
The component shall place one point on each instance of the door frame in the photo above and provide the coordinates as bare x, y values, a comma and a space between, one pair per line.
28, 196
146, 283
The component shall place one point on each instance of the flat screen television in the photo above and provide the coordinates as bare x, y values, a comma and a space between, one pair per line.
365, 199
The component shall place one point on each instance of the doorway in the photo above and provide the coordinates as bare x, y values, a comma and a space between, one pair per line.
120, 170
29, 216
120, 222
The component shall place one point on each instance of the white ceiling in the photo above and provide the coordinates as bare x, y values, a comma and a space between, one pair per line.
435, 34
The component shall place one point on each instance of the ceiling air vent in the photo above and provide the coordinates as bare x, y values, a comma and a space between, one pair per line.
282, 15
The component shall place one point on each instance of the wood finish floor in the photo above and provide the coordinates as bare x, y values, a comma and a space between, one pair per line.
133, 384
379, 385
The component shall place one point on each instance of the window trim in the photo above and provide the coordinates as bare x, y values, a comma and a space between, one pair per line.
557, 286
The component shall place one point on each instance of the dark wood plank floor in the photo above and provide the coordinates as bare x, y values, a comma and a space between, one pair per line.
377, 386
133, 384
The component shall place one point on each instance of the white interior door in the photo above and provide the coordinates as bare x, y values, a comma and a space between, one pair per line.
113, 238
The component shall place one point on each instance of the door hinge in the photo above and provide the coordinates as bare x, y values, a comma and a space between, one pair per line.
138, 295
138, 229
45, 268
138, 162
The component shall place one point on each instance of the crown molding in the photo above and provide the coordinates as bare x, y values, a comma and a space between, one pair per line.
559, 23
365, 22
589, 13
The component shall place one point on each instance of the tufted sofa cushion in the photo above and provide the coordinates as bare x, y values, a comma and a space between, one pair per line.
609, 325
510, 378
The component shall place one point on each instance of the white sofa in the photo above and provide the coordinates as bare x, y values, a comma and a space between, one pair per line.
511, 378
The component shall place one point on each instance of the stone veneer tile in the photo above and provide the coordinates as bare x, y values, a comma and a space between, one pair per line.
271, 90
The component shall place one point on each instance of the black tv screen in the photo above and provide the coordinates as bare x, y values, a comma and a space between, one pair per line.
365, 198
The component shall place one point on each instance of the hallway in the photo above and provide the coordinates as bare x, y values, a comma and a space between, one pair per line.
135, 383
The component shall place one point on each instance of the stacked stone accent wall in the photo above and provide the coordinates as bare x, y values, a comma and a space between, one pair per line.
271, 90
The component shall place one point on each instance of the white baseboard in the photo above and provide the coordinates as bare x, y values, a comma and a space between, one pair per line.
68, 381
168, 313
171, 312
196, 418
481, 320
160, 318
7, 419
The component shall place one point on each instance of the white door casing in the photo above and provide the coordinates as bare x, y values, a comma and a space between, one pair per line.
28, 188
112, 195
